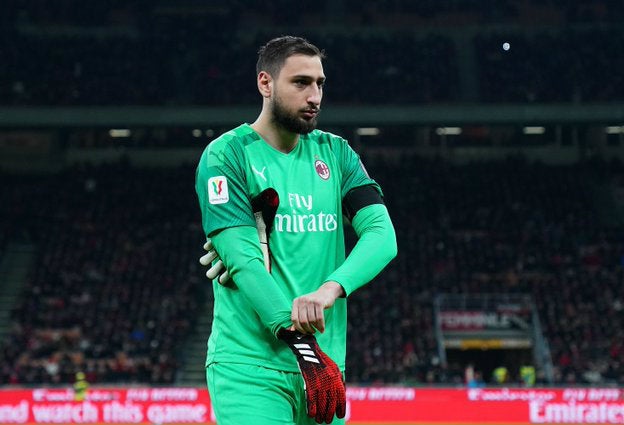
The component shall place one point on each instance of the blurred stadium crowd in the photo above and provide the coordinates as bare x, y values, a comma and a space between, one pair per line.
117, 286
496, 227
151, 53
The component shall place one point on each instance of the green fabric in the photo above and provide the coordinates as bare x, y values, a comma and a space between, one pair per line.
241, 249
307, 241
242, 394
375, 247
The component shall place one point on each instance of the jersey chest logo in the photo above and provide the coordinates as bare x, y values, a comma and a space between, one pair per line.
321, 169
260, 173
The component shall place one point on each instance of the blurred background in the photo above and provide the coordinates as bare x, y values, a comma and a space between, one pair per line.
495, 127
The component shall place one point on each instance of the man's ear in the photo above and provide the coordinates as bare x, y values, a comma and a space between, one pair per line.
265, 84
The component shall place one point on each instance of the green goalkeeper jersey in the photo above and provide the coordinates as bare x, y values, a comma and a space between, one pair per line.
306, 243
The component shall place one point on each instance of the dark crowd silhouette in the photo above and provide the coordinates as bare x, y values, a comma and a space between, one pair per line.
116, 288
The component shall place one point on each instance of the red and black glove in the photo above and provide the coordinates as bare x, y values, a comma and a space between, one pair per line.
323, 384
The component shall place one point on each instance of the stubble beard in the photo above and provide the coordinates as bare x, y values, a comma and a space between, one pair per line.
290, 121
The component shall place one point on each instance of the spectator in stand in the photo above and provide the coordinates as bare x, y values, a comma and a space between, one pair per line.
102, 288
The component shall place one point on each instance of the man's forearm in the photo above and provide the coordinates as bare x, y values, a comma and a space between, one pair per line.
239, 249
375, 247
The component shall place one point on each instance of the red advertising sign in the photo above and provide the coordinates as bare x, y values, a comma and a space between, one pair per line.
486, 405
105, 405
365, 405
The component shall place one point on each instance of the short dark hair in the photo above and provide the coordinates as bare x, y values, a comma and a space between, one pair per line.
273, 54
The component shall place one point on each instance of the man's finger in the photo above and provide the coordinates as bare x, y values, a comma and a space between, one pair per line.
215, 270
224, 277
303, 321
311, 399
319, 418
311, 314
332, 409
297, 317
294, 317
320, 318
329, 407
206, 259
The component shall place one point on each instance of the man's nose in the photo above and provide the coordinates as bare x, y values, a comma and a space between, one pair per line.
315, 94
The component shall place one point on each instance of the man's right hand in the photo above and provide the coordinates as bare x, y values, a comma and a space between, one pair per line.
217, 270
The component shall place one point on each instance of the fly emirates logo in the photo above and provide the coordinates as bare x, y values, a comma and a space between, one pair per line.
302, 219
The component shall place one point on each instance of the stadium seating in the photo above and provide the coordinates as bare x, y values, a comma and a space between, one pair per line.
137, 53
116, 288
506, 227
567, 66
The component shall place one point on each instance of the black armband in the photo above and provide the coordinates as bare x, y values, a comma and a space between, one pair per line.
358, 198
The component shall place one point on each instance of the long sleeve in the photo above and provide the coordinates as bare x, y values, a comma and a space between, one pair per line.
375, 248
239, 249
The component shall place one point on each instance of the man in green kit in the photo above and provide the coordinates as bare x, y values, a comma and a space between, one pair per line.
266, 362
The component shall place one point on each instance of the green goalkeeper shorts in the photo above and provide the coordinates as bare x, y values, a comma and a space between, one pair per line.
247, 394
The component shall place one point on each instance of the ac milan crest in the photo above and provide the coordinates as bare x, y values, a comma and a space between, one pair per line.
321, 169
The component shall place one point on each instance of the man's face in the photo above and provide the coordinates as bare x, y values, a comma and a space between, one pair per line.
297, 94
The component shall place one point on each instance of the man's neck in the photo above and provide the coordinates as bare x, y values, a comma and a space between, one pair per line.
280, 139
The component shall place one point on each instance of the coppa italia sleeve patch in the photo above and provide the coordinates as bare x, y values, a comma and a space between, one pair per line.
218, 190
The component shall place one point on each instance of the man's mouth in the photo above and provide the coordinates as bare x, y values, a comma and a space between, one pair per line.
310, 113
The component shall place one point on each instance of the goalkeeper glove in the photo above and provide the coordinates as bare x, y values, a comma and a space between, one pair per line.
264, 206
218, 268
323, 384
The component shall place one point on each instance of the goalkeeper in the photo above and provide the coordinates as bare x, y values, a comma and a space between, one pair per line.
273, 196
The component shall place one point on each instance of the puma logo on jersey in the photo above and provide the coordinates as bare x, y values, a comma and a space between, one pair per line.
307, 353
260, 173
